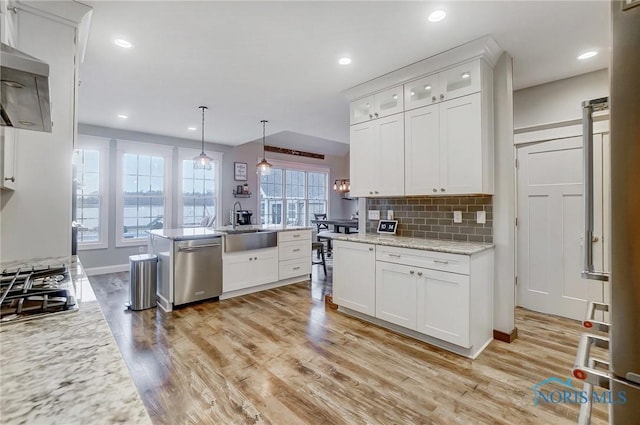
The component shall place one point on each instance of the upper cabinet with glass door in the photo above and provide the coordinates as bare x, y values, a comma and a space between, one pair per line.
455, 82
379, 105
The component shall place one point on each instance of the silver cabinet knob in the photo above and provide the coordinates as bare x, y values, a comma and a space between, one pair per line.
376, 114
442, 189
435, 190
11, 179
442, 97
255, 258
370, 193
250, 259
376, 192
419, 273
370, 249
411, 272
433, 98
370, 116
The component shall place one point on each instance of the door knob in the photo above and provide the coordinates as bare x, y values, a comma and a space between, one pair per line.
595, 239
435, 190
442, 97
411, 272
376, 114
419, 273
442, 189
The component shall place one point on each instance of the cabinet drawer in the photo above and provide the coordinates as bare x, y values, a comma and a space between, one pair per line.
295, 267
294, 235
294, 249
454, 263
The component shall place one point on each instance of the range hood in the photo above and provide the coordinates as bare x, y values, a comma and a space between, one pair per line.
24, 91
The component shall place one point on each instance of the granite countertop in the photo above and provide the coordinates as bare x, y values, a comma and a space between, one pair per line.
189, 233
451, 247
66, 368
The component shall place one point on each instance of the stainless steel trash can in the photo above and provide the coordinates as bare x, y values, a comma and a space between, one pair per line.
143, 278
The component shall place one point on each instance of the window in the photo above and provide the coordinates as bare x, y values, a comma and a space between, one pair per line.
91, 191
199, 197
292, 193
143, 191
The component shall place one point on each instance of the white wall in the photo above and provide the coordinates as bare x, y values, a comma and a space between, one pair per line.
36, 218
559, 101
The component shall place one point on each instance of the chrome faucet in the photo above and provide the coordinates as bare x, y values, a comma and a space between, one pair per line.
234, 216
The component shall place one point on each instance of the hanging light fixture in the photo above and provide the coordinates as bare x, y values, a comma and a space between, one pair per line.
202, 161
263, 166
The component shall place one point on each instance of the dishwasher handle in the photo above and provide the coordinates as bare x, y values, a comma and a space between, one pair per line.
197, 247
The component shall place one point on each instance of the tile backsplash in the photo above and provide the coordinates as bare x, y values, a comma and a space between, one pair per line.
432, 217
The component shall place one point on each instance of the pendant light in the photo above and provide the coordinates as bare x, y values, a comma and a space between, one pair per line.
202, 161
263, 166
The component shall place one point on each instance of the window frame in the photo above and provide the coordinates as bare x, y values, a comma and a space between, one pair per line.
185, 154
140, 148
102, 146
295, 166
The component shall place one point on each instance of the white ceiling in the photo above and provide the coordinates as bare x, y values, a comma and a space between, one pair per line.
249, 61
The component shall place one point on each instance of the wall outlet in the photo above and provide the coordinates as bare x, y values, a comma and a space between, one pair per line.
481, 217
142, 249
374, 214
457, 216
389, 214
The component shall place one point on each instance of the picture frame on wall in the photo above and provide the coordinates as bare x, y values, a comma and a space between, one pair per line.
240, 171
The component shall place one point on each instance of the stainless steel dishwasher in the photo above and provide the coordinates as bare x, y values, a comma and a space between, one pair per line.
197, 274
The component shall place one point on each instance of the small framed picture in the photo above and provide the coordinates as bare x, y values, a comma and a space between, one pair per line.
239, 190
240, 171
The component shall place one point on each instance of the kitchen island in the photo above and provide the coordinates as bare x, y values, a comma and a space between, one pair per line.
437, 291
271, 256
66, 368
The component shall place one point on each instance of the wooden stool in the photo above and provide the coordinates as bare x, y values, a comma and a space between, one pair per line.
319, 247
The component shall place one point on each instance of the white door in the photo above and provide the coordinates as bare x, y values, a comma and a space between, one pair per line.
388, 166
550, 230
354, 276
422, 150
361, 141
396, 294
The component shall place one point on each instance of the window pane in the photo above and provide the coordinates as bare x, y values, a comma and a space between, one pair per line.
198, 193
144, 165
130, 164
87, 212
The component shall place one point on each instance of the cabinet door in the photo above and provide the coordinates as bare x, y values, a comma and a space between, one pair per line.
443, 306
361, 158
388, 102
396, 294
264, 268
8, 158
422, 150
388, 166
459, 81
236, 272
461, 145
354, 276
422, 92
8, 24
361, 110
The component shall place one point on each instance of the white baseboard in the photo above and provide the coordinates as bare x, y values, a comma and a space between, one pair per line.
93, 271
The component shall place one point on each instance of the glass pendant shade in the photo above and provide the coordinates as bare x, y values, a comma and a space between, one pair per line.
202, 161
263, 167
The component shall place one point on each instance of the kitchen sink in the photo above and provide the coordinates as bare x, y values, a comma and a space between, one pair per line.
248, 239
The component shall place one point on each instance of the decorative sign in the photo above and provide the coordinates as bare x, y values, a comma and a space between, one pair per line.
293, 152
388, 226
240, 171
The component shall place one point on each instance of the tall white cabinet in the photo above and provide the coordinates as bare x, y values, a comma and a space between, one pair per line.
446, 146
354, 266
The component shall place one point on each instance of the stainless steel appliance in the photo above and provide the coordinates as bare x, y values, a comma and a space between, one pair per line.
32, 292
197, 273
621, 374
243, 217
24, 98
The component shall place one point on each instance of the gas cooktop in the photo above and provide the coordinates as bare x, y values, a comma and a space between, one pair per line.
32, 292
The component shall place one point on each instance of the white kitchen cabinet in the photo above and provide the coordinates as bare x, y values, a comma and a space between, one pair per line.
443, 306
354, 276
455, 82
294, 253
9, 23
396, 294
245, 269
447, 151
379, 105
8, 158
377, 157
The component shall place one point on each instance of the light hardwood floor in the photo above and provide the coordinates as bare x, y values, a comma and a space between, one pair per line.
281, 357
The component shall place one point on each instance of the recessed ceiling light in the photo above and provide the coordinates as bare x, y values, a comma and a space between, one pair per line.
413, 94
123, 116
344, 61
465, 75
192, 128
437, 16
395, 96
123, 43
427, 87
587, 55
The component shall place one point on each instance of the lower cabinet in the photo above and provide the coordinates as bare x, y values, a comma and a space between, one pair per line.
294, 251
245, 269
396, 294
354, 276
443, 306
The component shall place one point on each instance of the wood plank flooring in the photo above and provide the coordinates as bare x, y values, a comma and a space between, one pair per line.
280, 357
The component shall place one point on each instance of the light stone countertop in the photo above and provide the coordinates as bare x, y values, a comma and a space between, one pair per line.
190, 233
66, 368
451, 247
